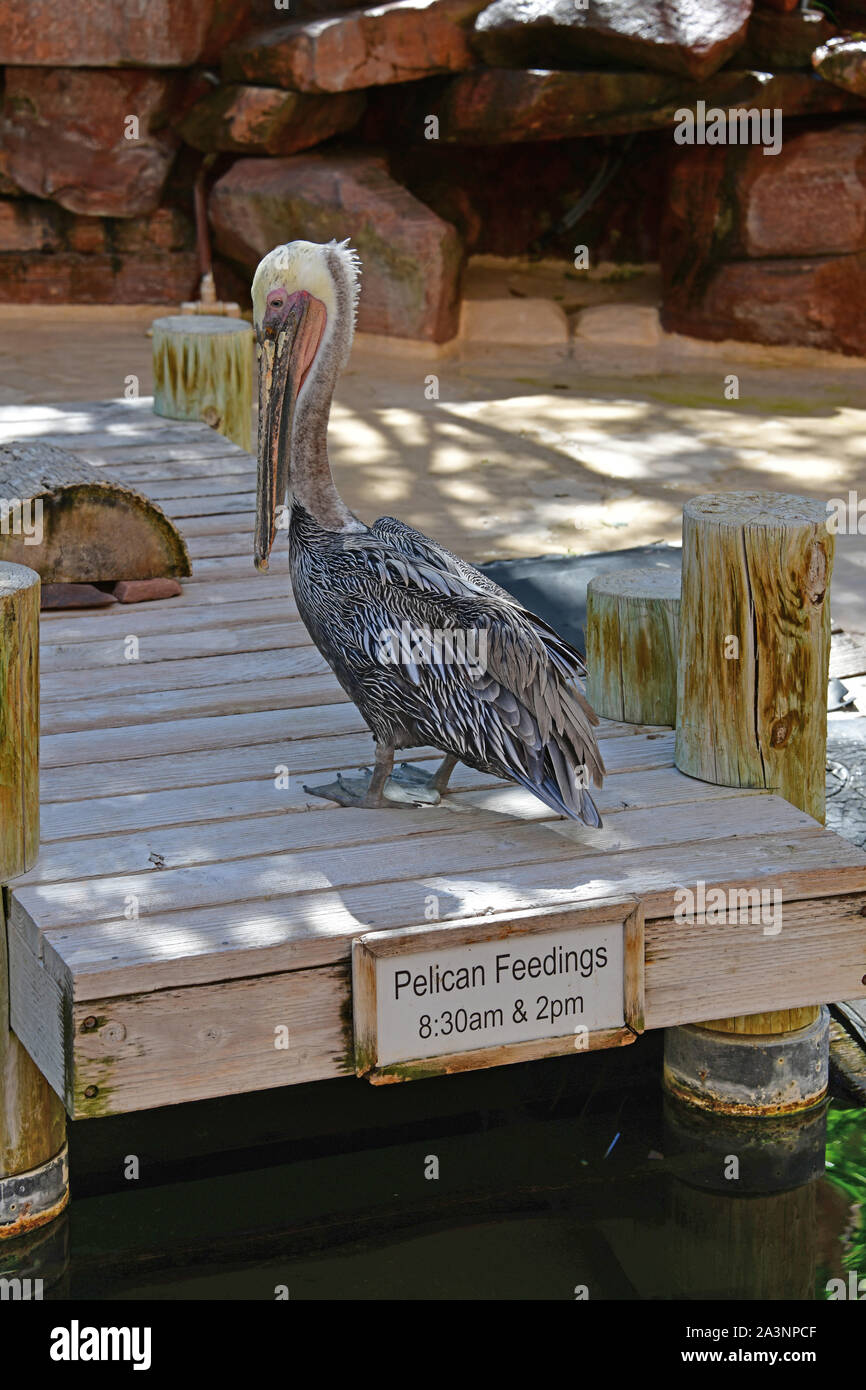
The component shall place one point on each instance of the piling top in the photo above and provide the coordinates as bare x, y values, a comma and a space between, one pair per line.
772, 509
15, 577
205, 324
647, 582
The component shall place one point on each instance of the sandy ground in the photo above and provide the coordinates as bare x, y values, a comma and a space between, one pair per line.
582, 447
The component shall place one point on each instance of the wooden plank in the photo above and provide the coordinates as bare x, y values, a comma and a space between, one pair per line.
115, 711
237, 838
40, 1010
818, 956
847, 656
291, 721
139, 678
222, 765
168, 1047
203, 641
162, 617
194, 1042
293, 931
400, 857
193, 735
231, 802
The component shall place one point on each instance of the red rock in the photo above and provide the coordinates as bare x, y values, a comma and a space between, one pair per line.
105, 33
498, 106
69, 278
142, 590
266, 120
27, 225
75, 596
411, 258
398, 42
810, 200
63, 130
776, 41
692, 38
733, 202
818, 303
842, 61
167, 229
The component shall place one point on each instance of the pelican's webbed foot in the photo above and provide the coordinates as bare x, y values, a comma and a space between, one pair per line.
358, 791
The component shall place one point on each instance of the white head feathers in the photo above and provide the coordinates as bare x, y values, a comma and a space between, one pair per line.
328, 270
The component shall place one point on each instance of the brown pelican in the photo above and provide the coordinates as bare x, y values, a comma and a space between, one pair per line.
431, 651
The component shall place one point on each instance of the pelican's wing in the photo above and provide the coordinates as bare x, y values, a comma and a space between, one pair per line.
517, 705
415, 545
418, 546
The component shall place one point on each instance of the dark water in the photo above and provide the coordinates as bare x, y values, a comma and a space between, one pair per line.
554, 1182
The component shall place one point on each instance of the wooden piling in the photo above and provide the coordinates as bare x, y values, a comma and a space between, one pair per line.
753, 664
755, 644
19, 719
32, 1118
632, 644
203, 370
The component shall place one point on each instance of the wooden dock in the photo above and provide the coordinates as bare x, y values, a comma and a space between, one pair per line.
190, 900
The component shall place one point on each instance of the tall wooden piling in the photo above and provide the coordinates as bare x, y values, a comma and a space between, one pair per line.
33, 1179
755, 644
752, 710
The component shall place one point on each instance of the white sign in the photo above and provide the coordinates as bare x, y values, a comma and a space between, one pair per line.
490, 993
451, 997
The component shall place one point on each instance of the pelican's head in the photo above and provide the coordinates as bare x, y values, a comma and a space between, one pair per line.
304, 301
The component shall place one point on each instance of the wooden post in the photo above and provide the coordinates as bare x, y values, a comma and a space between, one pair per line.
19, 719
33, 1179
203, 370
632, 641
755, 644
753, 666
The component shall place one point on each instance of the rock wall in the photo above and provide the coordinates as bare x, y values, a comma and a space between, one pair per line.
427, 130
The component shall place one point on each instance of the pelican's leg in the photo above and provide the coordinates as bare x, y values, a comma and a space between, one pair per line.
380, 775
443, 772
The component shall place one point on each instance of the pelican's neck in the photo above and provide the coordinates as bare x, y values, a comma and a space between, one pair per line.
311, 480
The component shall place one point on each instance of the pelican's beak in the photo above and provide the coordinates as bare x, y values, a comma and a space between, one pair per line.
288, 339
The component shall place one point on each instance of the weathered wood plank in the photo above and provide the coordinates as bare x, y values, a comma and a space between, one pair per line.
191, 1042
230, 940
222, 765
316, 865
232, 839
231, 802
167, 646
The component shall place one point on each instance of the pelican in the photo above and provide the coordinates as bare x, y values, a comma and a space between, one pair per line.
430, 650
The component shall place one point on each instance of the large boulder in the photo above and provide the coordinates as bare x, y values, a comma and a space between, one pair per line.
411, 258
69, 135
266, 120
842, 61
772, 250
496, 106
818, 302
693, 37
105, 33
398, 42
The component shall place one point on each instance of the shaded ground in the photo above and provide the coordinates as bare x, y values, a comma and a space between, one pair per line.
531, 453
